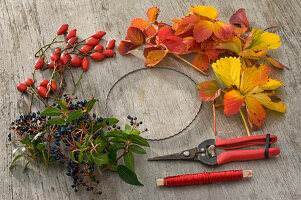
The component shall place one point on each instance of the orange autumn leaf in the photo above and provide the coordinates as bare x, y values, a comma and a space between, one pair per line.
201, 61
154, 57
223, 30
139, 23
209, 90
233, 100
256, 112
275, 62
150, 31
136, 36
175, 44
205, 11
203, 30
152, 14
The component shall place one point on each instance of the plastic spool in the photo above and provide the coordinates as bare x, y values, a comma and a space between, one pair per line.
165, 99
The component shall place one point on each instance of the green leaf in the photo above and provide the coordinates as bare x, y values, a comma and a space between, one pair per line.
116, 139
88, 140
87, 157
71, 155
52, 111
80, 156
15, 159
90, 104
137, 149
116, 134
128, 176
63, 104
129, 161
78, 145
138, 140
100, 159
25, 142
113, 168
102, 144
112, 153
112, 121
57, 121
127, 129
25, 166
135, 132
41, 146
74, 115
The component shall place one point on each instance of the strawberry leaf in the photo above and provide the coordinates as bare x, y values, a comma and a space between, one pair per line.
139, 23
154, 57
201, 61
136, 36
240, 18
152, 14
125, 47
209, 90
175, 44
203, 30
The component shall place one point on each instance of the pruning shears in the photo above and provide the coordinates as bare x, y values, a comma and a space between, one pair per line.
206, 151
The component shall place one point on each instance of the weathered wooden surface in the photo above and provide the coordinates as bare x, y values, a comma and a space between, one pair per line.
167, 103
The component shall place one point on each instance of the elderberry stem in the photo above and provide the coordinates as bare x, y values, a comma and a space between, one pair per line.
245, 122
190, 64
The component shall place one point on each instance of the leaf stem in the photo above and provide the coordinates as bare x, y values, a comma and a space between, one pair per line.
190, 64
245, 122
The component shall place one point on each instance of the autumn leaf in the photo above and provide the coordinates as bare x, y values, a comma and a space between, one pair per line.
175, 44
139, 23
164, 33
256, 112
206, 11
136, 36
233, 44
223, 30
275, 62
249, 54
126, 47
233, 100
202, 61
203, 30
209, 90
151, 31
154, 57
263, 40
240, 18
152, 14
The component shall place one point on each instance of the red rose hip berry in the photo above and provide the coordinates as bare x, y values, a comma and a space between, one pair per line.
85, 64
42, 91
108, 52
76, 61
92, 42
21, 87
71, 34
65, 58
29, 82
53, 86
97, 56
62, 29
39, 64
110, 44
50, 65
71, 41
54, 56
99, 34
44, 83
98, 47
85, 49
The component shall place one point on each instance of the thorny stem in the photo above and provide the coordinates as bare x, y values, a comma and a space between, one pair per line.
81, 76
245, 122
190, 64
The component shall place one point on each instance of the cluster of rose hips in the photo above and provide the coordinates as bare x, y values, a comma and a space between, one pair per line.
75, 53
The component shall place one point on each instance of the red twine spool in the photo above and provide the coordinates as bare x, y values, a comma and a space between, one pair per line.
206, 177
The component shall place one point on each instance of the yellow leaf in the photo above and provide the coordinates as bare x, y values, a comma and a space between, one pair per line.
270, 101
206, 11
271, 84
227, 70
264, 40
250, 54
154, 57
254, 76
233, 44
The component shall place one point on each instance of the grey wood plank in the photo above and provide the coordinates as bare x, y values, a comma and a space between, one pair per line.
26, 25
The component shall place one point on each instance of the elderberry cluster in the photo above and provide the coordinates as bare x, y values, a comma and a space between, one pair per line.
72, 137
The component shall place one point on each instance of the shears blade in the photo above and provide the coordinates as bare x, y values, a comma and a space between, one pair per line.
189, 154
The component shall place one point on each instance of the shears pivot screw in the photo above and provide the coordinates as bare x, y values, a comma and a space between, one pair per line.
186, 153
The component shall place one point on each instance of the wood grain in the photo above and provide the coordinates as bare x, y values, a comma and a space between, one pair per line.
26, 25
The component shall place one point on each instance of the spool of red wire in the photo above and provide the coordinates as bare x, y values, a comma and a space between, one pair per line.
205, 177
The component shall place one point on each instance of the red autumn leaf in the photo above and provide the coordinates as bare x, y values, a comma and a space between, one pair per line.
175, 44
154, 57
223, 30
203, 30
136, 35
152, 14
209, 90
125, 47
201, 61
240, 18
139, 23
191, 45
233, 100
186, 25
164, 33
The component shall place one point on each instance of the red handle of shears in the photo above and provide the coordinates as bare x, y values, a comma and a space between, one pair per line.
243, 142
242, 155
